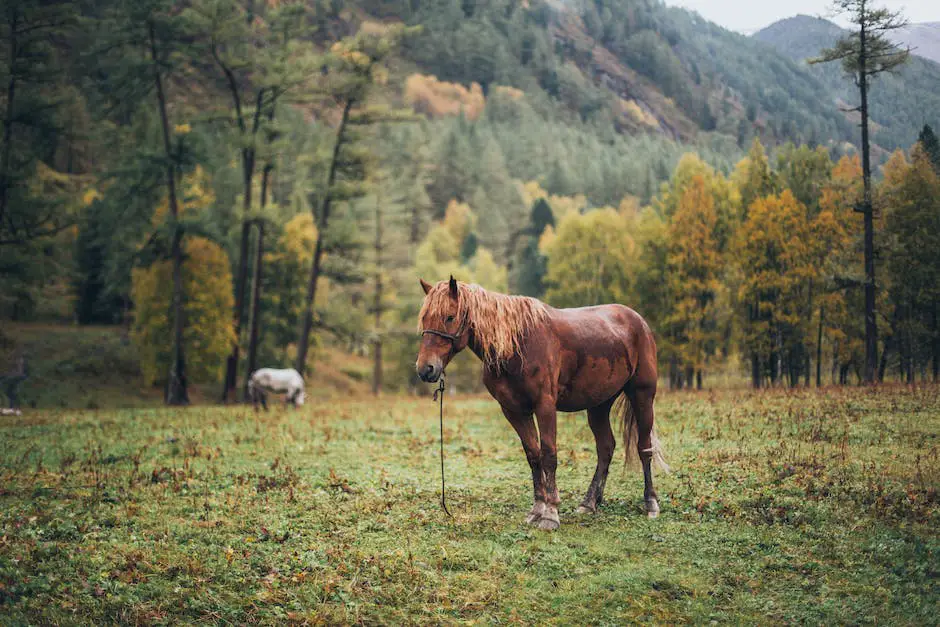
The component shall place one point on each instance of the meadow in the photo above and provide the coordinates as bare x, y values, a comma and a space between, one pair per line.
782, 507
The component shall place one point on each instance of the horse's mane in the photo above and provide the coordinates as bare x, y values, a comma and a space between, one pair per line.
498, 321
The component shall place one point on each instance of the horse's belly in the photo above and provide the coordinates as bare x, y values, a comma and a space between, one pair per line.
273, 387
596, 381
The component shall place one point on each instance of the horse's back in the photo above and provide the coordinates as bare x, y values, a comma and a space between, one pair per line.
275, 378
614, 322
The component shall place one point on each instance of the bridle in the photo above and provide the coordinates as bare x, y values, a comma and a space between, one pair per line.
451, 337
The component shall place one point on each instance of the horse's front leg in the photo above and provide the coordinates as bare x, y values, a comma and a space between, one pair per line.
525, 428
545, 412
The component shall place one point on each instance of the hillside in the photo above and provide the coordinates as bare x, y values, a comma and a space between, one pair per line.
923, 39
645, 67
900, 104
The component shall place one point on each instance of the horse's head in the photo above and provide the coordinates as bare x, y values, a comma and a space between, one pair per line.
445, 329
299, 398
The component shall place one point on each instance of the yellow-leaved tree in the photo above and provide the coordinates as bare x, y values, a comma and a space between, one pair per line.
694, 264
451, 248
776, 257
591, 259
207, 296
207, 305
288, 264
842, 329
725, 196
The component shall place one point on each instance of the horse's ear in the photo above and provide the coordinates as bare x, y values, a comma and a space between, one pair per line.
425, 286
453, 287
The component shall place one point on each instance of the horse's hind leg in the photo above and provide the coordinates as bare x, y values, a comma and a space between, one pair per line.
599, 420
641, 398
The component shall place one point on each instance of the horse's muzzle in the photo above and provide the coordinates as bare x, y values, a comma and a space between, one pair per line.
429, 373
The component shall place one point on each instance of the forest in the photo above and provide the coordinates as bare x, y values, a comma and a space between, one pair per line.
236, 184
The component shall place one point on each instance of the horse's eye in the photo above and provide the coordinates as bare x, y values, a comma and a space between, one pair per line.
450, 319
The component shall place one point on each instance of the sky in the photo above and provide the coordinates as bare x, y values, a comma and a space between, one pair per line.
750, 15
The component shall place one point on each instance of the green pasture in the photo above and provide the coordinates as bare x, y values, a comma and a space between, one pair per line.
782, 507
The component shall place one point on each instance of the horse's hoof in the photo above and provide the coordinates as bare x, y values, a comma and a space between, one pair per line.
549, 521
652, 508
547, 524
535, 515
583, 509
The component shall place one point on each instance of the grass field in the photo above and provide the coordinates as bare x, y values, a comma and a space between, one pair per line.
802, 507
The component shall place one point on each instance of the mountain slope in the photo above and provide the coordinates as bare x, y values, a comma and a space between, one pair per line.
900, 103
643, 66
923, 39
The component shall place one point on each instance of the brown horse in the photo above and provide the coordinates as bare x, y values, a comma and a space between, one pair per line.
538, 359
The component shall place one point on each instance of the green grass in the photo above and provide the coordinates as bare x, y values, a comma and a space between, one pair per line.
782, 507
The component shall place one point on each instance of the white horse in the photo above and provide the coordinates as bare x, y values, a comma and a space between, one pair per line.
287, 381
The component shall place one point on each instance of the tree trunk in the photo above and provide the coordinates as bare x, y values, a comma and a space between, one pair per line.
176, 392
248, 175
903, 348
807, 366
254, 338
822, 316
698, 379
377, 349
231, 363
779, 367
883, 362
910, 360
871, 328
8, 118
755, 358
935, 344
415, 225
835, 362
255, 311
306, 323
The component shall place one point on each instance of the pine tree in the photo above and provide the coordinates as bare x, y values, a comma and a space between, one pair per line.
931, 145
864, 54
33, 112
260, 61
913, 228
140, 47
357, 67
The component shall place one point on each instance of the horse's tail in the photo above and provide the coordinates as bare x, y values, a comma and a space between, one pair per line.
630, 436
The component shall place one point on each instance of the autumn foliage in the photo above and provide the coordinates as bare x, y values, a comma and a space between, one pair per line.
208, 301
436, 98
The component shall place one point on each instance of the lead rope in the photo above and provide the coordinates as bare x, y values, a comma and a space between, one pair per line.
440, 392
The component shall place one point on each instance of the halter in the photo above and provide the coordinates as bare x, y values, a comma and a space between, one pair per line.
452, 337
447, 336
